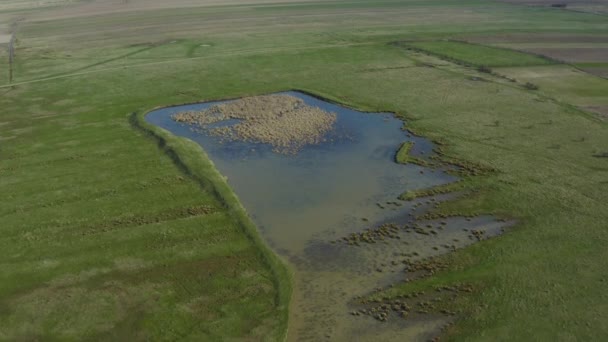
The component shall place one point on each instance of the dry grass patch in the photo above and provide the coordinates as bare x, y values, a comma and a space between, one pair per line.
5, 38
601, 111
283, 121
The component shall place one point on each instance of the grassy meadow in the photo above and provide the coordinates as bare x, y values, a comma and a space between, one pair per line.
115, 230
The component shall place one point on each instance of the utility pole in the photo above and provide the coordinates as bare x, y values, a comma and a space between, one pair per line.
11, 57
11, 51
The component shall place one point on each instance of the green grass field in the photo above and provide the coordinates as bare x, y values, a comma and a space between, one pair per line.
114, 230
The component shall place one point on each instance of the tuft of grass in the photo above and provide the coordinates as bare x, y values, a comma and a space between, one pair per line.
403, 153
484, 69
530, 86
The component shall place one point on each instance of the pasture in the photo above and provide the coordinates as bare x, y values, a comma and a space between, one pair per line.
112, 229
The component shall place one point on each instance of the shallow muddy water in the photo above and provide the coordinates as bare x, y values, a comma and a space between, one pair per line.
302, 203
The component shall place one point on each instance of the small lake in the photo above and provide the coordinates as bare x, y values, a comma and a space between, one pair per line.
302, 203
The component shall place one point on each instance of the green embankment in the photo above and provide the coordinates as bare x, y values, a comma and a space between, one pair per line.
193, 160
403, 153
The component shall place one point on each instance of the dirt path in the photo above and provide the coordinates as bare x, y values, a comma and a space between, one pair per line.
238, 53
104, 7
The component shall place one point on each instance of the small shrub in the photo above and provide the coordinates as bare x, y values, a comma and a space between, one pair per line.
484, 69
530, 86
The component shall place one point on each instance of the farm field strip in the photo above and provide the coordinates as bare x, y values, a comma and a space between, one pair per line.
179, 60
478, 55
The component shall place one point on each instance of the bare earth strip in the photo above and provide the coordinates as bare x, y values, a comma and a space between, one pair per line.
564, 47
541, 38
590, 8
597, 71
586, 6
551, 2
574, 55
11, 5
99, 7
568, 48
601, 111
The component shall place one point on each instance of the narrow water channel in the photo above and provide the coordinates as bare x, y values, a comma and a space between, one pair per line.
303, 203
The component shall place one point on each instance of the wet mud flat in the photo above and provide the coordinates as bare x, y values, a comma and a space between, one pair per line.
352, 268
332, 209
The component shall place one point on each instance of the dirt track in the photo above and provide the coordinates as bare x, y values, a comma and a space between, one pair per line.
99, 7
538, 38
574, 55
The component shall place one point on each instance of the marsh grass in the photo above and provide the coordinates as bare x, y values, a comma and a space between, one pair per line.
403, 155
283, 121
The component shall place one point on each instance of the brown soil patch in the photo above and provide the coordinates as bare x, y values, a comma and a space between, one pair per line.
101, 7
283, 121
552, 2
574, 55
596, 8
590, 49
5, 38
597, 71
587, 6
538, 38
601, 111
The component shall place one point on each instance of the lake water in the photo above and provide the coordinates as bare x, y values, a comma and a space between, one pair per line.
302, 202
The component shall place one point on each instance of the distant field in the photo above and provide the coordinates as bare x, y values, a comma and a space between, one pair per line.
12, 5
588, 6
479, 55
588, 52
566, 84
113, 231
599, 69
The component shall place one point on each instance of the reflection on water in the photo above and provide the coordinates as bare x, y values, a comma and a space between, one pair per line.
302, 202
